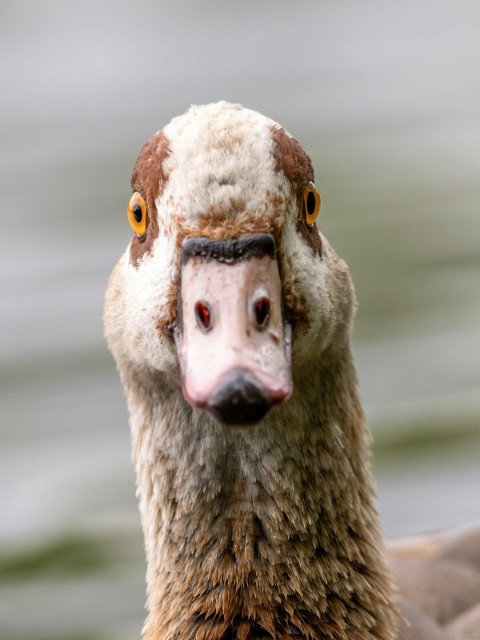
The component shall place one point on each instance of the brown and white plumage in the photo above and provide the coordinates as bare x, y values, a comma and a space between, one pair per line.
268, 530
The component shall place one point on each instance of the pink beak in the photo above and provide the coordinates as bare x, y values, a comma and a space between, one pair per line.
232, 341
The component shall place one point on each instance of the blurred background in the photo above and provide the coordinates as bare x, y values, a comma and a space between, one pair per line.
385, 97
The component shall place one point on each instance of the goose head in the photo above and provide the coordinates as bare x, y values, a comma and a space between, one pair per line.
230, 309
227, 286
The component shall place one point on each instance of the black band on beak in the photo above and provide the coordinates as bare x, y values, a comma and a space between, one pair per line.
256, 245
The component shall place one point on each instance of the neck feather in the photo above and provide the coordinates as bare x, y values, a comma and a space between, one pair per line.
265, 532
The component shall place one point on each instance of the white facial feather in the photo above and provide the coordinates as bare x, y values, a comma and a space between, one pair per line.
218, 152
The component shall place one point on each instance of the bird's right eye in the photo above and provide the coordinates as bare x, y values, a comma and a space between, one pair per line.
137, 214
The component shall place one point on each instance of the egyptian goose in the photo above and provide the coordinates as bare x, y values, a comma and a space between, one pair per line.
229, 317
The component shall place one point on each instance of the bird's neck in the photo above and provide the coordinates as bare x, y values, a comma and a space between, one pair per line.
265, 532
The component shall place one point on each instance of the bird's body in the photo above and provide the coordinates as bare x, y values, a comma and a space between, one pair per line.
267, 530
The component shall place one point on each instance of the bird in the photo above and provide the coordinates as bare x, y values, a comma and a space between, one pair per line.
229, 317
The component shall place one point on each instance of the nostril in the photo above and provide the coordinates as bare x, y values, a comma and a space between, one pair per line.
262, 312
203, 315
239, 399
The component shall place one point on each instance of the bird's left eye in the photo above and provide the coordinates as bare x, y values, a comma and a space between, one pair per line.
137, 214
311, 203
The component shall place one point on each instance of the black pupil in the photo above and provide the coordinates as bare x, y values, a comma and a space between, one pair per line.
137, 212
311, 203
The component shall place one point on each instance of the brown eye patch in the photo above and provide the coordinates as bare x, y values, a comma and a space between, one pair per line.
148, 179
294, 163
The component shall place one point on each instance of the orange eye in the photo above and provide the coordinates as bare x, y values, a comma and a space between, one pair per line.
137, 214
311, 203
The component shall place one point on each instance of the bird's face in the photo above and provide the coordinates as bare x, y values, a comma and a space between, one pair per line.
224, 262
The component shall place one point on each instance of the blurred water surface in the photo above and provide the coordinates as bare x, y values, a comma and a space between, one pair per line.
386, 100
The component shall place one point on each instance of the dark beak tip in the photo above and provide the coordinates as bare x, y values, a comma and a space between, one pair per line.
239, 399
